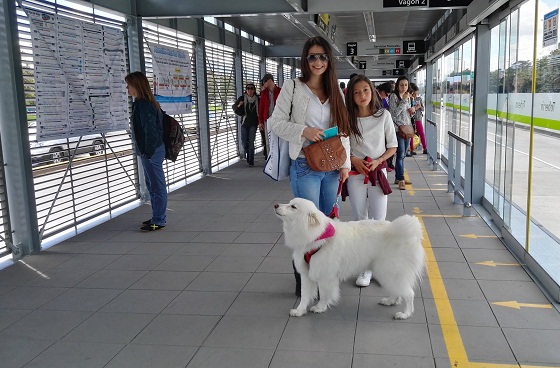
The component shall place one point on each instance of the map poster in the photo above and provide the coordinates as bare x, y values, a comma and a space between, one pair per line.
550, 28
79, 77
172, 79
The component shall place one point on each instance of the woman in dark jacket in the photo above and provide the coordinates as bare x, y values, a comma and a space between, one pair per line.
148, 134
247, 106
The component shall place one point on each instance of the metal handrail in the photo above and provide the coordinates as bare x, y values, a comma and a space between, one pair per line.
462, 193
431, 142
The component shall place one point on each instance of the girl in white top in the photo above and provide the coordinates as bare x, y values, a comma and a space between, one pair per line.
372, 142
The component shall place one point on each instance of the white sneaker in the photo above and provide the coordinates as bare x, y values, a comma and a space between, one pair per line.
364, 279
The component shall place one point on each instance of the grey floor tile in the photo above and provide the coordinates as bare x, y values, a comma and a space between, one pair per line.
16, 275
315, 334
264, 227
219, 281
29, 297
248, 250
136, 262
480, 243
231, 358
534, 346
271, 283
89, 261
76, 354
217, 237
463, 289
110, 328
465, 312
45, 325
442, 241
16, 353
526, 317
201, 303
58, 277
247, 332
156, 248
310, 359
141, 301
44, 261
454, 270
520, 291
449, 255
185, 263
276, 265
262, 305
258, 238
10, 316
393, 338
235, 264
151, 356
112, 248
486, 344
391, 361
165, 280
203, 249
111, 279
186, 330
87, 300
507, 271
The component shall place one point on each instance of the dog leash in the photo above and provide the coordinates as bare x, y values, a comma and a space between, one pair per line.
334, 213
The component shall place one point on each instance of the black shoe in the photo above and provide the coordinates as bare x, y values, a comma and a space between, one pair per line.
425, 152
147, 222
413, 153
151, 227
251, 164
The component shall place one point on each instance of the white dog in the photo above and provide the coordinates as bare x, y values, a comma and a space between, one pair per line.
326, 252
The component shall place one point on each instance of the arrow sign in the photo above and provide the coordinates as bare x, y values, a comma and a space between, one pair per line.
494, 264
516, 305
474, 236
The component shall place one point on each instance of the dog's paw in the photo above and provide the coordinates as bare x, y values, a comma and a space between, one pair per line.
401, 315
318, 309
296, 313
386, 302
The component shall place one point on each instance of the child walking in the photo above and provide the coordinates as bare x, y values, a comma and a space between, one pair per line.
372, 142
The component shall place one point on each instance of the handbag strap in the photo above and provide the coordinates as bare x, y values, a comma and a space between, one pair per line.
292, 101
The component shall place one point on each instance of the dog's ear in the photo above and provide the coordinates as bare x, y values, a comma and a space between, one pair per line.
313, 219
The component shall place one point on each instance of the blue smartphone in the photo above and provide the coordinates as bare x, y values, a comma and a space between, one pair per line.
329, 133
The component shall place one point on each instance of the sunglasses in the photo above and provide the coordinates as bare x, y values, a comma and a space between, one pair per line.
314, 57
248, 88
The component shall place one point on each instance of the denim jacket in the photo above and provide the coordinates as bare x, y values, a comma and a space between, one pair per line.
147, 126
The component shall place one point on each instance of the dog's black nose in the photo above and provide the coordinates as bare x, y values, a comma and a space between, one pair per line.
276, 205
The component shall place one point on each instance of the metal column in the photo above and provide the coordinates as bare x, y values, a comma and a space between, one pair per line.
15, 138
480, 116
202, 94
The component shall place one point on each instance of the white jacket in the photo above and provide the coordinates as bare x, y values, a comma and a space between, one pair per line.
292, 130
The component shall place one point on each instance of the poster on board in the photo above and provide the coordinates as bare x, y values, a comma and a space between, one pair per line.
550, 28
79, 71
172, 79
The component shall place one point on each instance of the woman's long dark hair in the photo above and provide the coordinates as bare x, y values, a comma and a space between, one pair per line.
397, 86
140, 83
339, 115
374, 106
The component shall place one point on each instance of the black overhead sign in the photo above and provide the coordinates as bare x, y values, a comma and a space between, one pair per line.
404, 3
402, 64
362, 64
351, 48
414, 47
398, 71
426, 3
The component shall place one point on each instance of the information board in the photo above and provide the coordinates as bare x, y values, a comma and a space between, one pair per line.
79, 77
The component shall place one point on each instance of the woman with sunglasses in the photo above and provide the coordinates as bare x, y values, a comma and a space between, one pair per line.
247, 106
305, 108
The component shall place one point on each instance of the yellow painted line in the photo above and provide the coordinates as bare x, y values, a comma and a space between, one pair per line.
515, 305
454, 343
494, 264
474, 236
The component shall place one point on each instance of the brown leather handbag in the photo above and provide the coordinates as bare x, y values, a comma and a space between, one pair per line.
326, 155
406, 131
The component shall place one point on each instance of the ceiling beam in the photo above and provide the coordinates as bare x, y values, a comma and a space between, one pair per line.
376, 6
214, 8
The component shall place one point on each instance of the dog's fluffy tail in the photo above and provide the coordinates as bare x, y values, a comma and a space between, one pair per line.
408, 227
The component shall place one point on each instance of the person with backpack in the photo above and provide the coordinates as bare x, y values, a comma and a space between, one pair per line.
148, 135
247, 106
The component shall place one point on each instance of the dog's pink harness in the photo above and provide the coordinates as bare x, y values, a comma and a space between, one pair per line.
328, 233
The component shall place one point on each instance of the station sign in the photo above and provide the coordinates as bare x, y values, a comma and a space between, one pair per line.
404, 3
362, 64
390, 51
398, 71
414, 47
351, 48
403, 63
426, 3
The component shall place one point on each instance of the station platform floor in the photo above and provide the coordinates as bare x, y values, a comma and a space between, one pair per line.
214, 289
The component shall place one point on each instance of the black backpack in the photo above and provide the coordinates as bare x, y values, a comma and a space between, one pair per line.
173, 137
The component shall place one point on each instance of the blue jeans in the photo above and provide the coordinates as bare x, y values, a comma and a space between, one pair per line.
248, 141
155, 181
401, 154
318, 187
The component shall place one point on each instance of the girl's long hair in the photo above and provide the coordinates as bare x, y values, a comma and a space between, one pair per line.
339, 115
397, 86
374, 106
140, 83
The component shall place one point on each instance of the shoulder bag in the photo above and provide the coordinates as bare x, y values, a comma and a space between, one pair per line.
406, 131
326, 155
